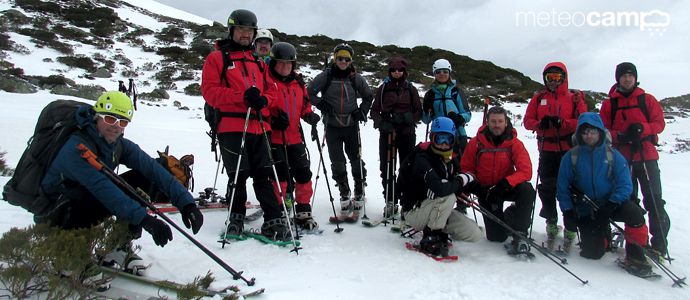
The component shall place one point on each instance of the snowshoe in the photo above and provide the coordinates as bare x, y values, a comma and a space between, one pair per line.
417, 248
519, 249
638, 268
125, 259
304, 218
276, 230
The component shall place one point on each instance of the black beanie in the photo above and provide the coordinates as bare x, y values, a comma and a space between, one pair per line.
625, 68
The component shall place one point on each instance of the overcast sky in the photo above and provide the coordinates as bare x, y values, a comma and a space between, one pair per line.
590, 37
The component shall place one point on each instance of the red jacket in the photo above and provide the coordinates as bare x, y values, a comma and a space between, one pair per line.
626, 117
562, 103
290, 97
240, 76
489, 167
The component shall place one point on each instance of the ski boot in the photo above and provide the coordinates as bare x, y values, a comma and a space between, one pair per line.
303, 217
276, 229
434, 243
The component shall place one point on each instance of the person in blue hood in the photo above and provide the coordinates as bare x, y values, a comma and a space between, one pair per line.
601, 173
82, 196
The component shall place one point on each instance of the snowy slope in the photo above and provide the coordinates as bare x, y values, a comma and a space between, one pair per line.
359, 263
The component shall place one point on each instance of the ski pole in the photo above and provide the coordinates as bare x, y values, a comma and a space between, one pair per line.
654, 202
315, 137
677, 281
237, 172
387, 187
289, 196
361, 172
325, 173
280, 190
544, 251
95, 162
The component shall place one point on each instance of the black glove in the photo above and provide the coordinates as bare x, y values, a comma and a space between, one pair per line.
458, 120
556, 122
358, 115
311, 118
408, 118
158, 229
386, 127
545, 123
570, 220
622, 138
324, 107
253, 98
397, 119
464, 178
634, 132
501, 188
192, 217
605, 212
281, 121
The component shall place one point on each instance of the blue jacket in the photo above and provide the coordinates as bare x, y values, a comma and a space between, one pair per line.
443, 103
68, 165
593, 174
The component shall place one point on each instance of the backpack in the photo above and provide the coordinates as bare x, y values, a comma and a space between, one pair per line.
329, 79
181, 169
56, 123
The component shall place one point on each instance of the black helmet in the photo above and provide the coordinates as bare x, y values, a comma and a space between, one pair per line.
283, 51
242, 17
345, 47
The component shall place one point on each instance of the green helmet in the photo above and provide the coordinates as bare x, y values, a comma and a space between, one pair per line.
115, 103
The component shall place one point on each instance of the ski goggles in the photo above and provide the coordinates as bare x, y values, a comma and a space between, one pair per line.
111, 120
444, 138
343, 58
553, 77
442, 71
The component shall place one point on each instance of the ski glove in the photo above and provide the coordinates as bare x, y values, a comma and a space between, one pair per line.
545, 123
458, 120
324, 107
408, 118
464, 178
386, 127
192, 217
311, 118
634, 132
281, 121
358, 115
605, 212
501, 188
253, 98
160, 231
570, 220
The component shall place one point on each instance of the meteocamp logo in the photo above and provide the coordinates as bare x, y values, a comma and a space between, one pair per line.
654, 21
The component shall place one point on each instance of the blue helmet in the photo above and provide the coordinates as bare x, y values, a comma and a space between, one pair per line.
443, 124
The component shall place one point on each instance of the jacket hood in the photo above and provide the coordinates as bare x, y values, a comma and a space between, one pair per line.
615, 93
397, 63
563, 87
594, 120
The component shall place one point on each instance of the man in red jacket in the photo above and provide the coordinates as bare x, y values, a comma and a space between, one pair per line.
553, 114
290, 103
233, 83
502, 168
634, 119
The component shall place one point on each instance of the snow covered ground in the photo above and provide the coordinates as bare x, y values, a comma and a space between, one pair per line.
360, 263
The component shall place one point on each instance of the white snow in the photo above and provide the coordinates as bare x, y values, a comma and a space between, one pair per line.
359, 263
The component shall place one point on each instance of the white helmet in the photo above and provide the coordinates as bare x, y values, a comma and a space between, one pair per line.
440, 65
264, 34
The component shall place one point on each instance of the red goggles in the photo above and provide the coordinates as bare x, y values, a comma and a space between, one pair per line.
553, 77
110, 120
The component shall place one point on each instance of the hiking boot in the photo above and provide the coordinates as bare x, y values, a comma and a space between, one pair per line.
434, 243
276, 229
345, 206
635, 259
303, 217
126, 259
235, 224
344, 189
552, 231
568, 240
358, 203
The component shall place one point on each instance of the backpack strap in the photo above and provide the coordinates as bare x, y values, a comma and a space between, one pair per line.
481, 149
609, 158
641, 104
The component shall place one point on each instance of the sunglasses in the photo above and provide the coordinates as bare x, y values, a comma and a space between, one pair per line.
110, 120
442, 71
343, 58
401, 70
444, 138
553, 77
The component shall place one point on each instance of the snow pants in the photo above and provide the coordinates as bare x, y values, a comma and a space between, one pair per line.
347, 139
549, 162
255, 163
292, 163
438, 213
595, 237
659, 222
404, 143
518, 215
